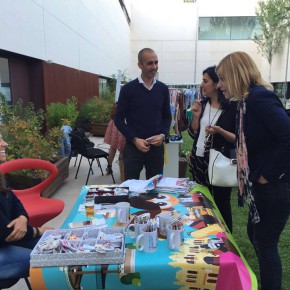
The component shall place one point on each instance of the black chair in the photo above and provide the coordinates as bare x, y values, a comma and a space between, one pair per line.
87, 141
91, 154
7, 283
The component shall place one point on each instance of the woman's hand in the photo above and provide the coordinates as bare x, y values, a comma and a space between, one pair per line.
262, 180
213, 130
19, 226
43, 229
196, 109
230, 137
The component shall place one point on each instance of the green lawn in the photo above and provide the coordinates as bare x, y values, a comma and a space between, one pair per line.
240, 232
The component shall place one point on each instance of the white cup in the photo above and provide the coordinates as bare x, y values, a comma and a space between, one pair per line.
123, 212
135, 230
146, 241
164, 219
175, 237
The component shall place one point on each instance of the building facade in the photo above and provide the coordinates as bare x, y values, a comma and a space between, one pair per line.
54, 49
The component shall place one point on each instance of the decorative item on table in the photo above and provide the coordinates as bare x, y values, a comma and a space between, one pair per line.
174, 185
96, 222
175, 234
139, 221
141, 186
109, 194
122, 212
152, 182
148, 238
163, 220
86, 246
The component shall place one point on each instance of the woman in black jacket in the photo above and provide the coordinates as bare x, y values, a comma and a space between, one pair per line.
213, 126
17, 238
263, 155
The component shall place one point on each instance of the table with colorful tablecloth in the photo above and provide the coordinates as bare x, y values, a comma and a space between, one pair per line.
209, 258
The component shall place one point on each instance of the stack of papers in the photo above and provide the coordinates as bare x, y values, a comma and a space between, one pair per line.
164, 184
174, 185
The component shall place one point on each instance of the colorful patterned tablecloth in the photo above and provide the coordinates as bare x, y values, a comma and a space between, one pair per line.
209, 258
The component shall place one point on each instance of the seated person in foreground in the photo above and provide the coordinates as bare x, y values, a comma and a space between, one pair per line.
17, 238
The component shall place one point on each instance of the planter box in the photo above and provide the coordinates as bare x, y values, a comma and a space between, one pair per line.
62, 166
98, 129
23, 182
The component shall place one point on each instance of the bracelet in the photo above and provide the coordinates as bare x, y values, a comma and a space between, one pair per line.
163, 135
37, 232
134, 140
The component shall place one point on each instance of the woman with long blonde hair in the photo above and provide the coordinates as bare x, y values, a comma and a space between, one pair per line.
263, 154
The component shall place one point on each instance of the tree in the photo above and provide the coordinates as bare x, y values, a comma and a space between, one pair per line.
274, 20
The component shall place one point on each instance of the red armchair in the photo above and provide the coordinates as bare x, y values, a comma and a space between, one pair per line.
40, 209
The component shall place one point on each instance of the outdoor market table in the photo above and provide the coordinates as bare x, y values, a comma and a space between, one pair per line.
209, 258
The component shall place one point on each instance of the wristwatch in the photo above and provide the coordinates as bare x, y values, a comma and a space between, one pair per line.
163, 137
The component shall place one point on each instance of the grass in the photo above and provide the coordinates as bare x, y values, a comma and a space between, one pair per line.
240, 216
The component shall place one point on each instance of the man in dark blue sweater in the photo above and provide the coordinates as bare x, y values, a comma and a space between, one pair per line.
143, 117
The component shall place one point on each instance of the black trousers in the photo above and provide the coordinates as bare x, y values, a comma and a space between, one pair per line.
135, 160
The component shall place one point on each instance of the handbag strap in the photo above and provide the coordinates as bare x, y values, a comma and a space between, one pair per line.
213, 167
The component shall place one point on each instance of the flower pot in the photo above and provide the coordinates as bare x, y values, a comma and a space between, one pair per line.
98, 129
182, 167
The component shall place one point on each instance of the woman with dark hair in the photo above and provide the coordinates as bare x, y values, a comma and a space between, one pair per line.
212, 126
17, 238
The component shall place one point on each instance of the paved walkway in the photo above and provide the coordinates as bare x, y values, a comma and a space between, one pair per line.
70, 190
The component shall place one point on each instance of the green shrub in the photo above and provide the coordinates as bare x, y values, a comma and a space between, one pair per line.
21, 127
58, 114
97, 109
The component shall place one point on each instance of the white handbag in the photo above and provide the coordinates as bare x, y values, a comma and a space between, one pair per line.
222, 171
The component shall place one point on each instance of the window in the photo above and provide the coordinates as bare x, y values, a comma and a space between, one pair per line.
5, 79
229, 28
102, 84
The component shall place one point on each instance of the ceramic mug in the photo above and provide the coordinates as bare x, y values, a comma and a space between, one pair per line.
122, 212
175, 237
164, 219
147, 241
135, 230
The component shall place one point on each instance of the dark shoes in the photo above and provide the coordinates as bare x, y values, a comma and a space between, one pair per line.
109, 169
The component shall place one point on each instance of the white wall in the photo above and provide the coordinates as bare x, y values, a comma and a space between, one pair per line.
170, 28
94, 36
89, 35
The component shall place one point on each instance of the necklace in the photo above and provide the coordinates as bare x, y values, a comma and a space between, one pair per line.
210, 122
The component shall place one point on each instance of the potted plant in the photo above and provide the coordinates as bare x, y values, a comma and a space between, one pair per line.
97, 111
58, 113
22, 128
183, 160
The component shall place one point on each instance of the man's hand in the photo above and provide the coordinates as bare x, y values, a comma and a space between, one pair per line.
19, 226
142, 145
155, 140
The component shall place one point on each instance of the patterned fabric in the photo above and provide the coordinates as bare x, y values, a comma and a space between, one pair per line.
244, 184
113, 137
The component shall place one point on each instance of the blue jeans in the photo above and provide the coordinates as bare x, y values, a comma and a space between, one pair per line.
273, 204
65, 146
15, 259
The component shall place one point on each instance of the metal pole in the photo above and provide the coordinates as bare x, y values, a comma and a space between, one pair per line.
196, 39
286, 73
